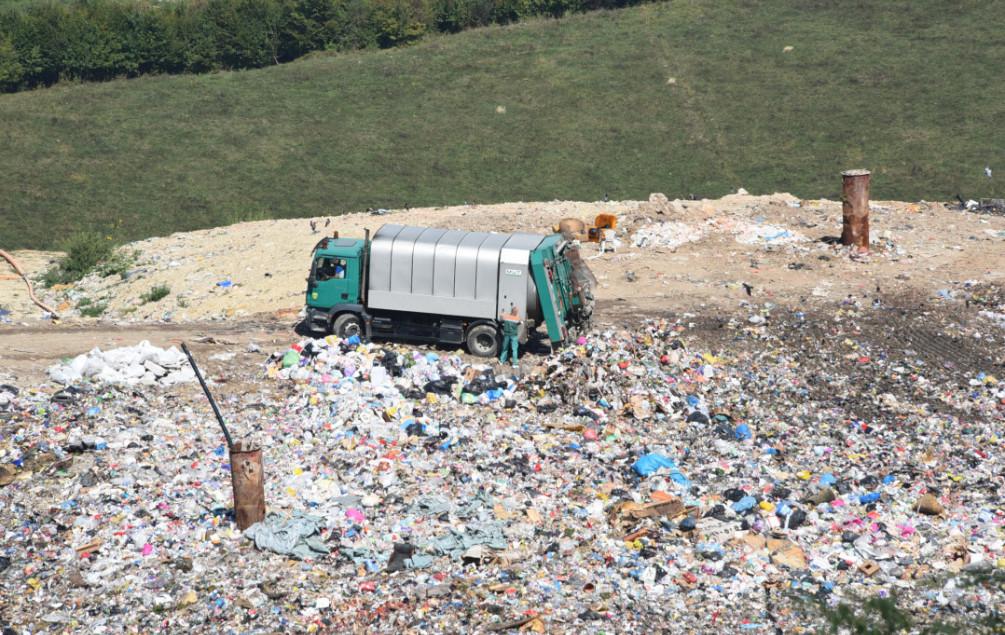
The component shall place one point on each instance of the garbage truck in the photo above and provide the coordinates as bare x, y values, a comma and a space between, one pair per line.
447, 286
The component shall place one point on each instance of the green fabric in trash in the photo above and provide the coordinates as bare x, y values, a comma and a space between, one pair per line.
456, 542
298, 537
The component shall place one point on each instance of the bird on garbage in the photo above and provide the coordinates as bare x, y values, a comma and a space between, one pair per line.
987, 171
749, 288
606, 198
314, 227
328, 222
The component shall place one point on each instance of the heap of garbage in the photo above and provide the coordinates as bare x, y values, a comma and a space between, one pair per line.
638, 481
666, 234
140, 365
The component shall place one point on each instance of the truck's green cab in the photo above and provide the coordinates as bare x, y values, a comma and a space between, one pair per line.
336, 272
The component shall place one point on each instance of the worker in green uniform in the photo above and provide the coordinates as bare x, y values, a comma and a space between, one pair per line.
511, 335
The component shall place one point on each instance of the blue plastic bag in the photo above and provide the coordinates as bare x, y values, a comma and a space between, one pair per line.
871, 497
650, 463
744, 504
743, 432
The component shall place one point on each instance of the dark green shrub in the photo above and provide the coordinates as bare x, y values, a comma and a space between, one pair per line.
156, 294
84, 252
399, 22
119, 263
11, 70
91, 309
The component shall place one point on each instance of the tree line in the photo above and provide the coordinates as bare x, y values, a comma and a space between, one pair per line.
96, 40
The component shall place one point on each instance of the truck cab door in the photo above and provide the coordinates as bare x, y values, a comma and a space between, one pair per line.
334, 280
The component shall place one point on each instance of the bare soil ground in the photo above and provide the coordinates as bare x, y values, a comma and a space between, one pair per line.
776, 244
713, 258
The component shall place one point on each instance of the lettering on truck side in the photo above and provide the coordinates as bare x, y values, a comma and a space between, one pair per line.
514, 272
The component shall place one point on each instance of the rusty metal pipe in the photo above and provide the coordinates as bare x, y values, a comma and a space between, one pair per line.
247, 475
855, 208
209, 395
248, 479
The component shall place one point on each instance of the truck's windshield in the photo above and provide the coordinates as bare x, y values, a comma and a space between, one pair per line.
329, 268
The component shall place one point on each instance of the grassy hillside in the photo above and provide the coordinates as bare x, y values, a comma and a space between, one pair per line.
690, 97
6, 4
21, 4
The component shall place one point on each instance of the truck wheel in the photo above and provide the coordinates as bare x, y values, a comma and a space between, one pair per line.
483, 341
347, 325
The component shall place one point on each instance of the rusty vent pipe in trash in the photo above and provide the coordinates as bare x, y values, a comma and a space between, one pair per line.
247, 477
855, 209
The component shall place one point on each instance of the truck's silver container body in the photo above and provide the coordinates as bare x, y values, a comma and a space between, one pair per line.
449, 272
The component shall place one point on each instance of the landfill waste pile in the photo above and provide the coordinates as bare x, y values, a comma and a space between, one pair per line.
673, 234
143, 364
666, 234
994, 206
680, 476
753, 234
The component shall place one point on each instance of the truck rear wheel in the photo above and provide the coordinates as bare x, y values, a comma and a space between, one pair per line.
483, 340
347, 325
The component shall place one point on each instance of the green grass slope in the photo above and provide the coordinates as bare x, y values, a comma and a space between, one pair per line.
688, 97
20, 4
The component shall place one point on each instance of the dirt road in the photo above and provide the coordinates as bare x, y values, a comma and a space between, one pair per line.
952, 337
26, 352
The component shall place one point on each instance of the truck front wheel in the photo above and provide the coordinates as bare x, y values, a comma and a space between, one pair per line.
347, 325
483, 340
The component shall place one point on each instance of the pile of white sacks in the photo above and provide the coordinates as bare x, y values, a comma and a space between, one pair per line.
670, 235
143, 365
